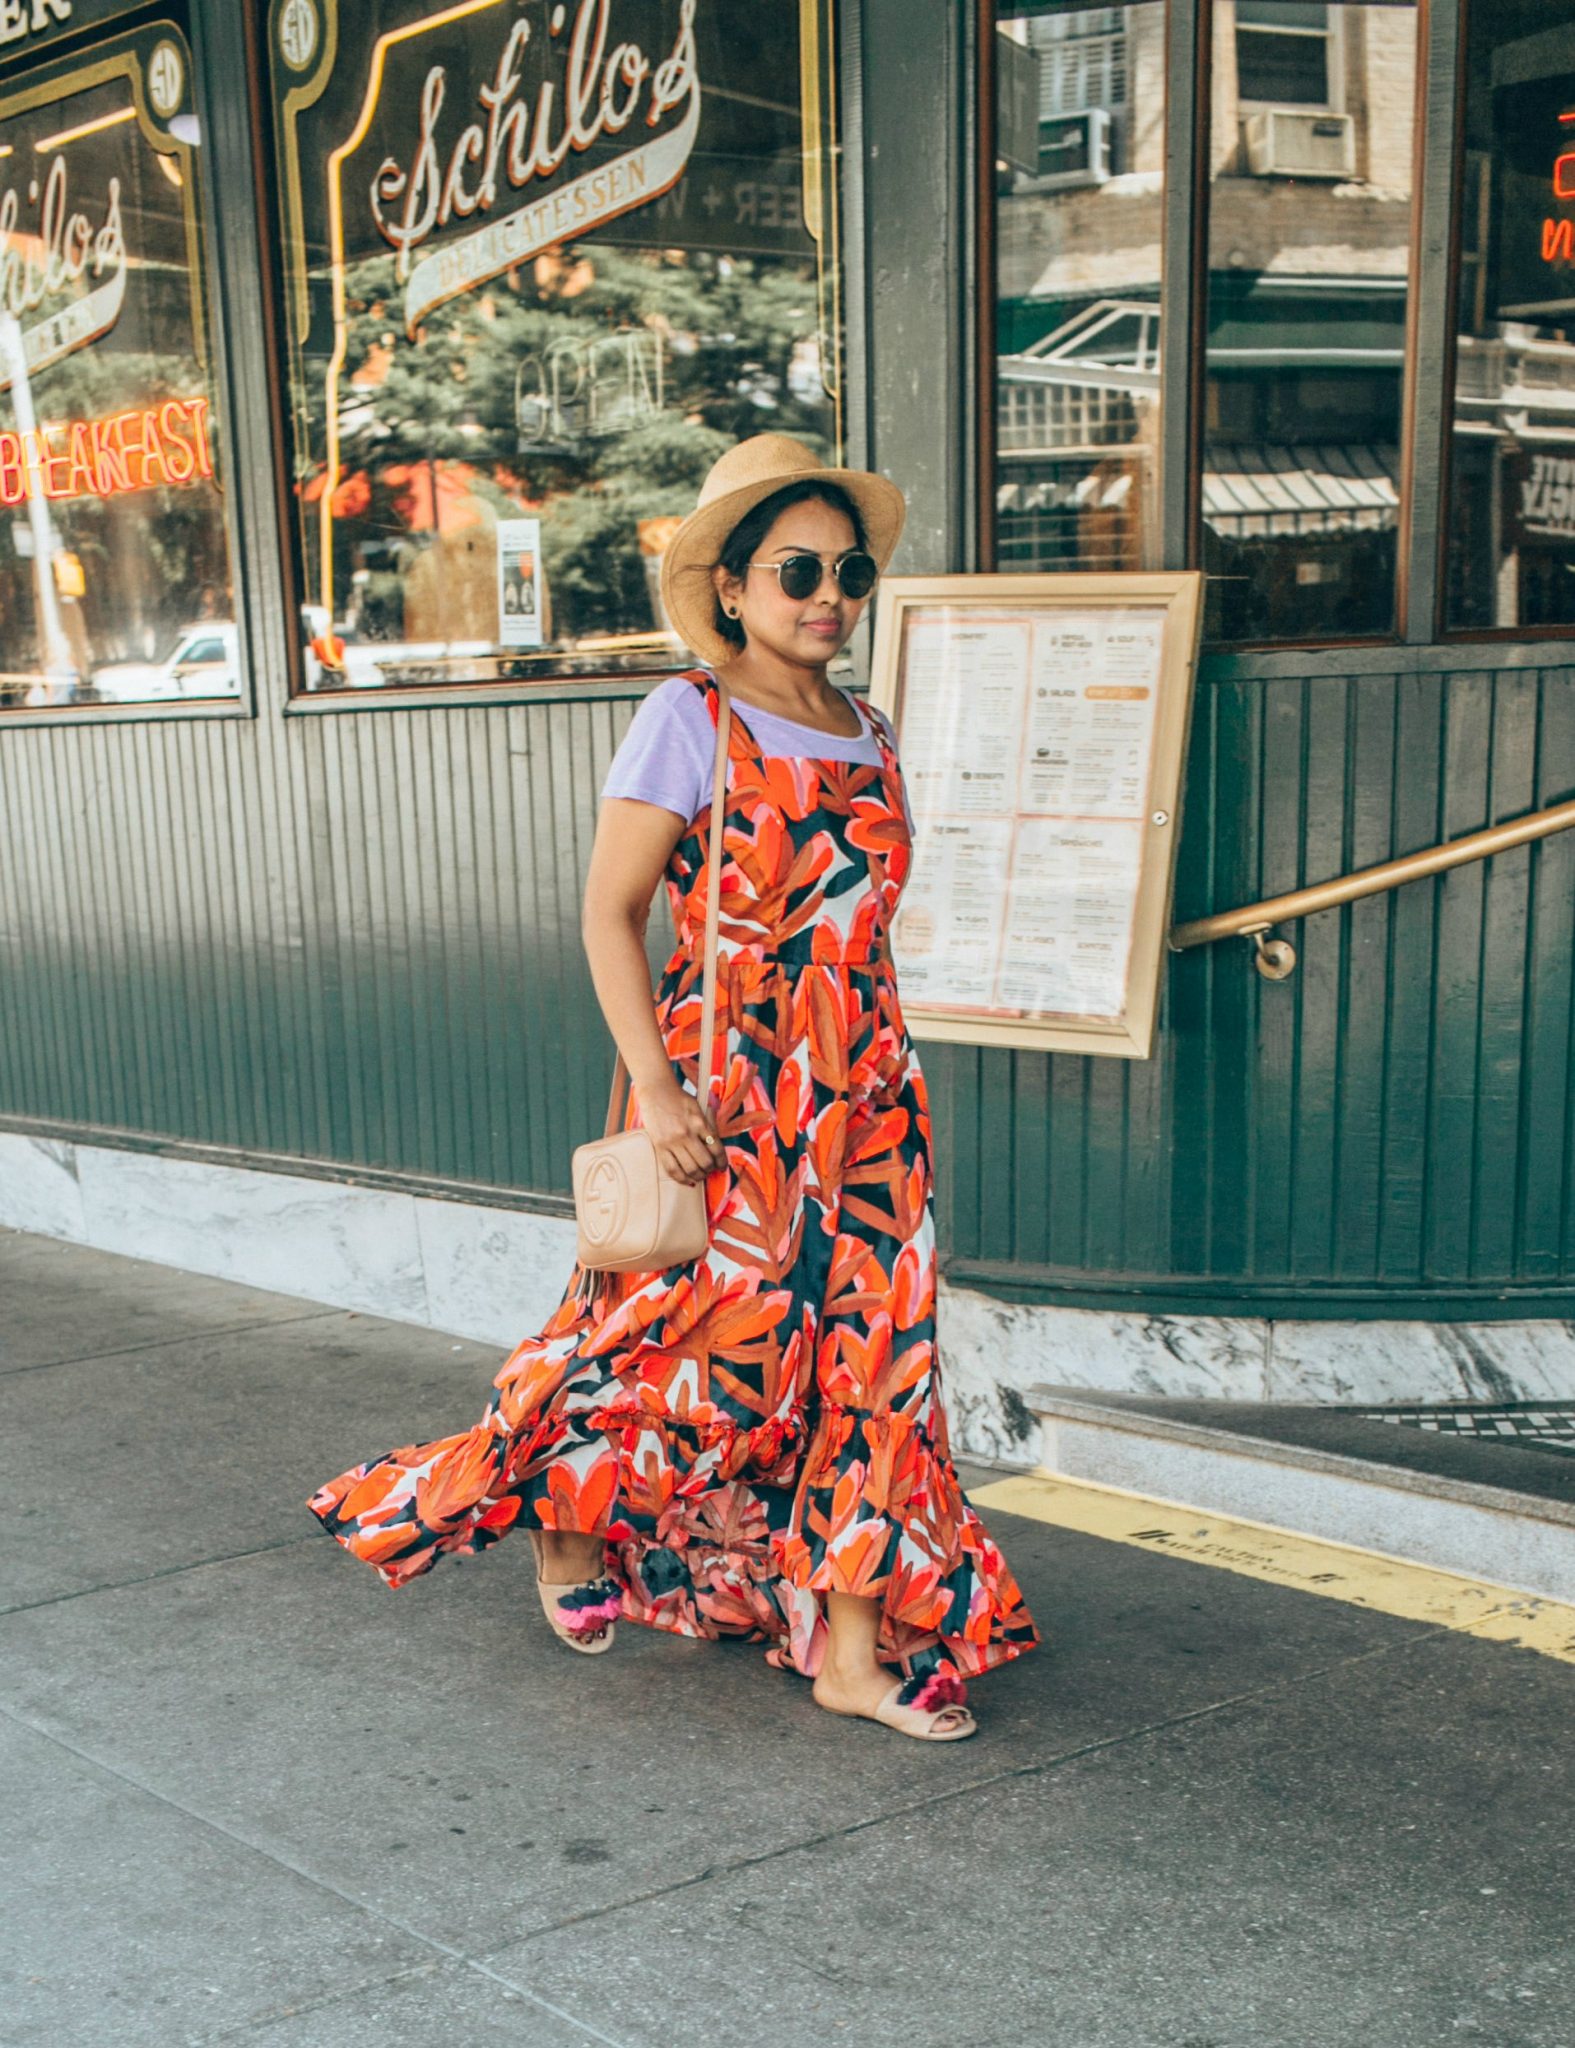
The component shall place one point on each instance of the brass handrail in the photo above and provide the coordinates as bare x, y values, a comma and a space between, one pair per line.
1254, 919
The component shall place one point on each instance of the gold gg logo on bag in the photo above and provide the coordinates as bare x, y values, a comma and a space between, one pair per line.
604, 1200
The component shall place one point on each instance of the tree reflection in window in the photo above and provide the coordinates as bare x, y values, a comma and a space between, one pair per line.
589, 385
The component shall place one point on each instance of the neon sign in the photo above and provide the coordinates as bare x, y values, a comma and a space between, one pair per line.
1558, 236
129, 451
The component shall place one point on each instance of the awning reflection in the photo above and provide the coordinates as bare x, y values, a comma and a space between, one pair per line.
1253, 490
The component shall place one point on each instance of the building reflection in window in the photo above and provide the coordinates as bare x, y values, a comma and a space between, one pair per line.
1511, 525
1309, 270
543, 264
1080, 134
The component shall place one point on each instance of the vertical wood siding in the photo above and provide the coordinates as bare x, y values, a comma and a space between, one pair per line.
343, 938
355, 939
1398, 1118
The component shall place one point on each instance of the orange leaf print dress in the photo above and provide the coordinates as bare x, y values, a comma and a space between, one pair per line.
763, 1425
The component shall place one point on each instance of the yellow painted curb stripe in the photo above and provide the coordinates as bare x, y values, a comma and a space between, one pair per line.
1309, 1564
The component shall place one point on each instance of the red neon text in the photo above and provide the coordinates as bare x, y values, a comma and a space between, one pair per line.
130, 451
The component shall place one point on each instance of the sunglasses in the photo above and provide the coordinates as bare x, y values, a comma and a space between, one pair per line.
799, 575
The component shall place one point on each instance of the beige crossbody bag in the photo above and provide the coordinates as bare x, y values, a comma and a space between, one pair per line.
632, 1217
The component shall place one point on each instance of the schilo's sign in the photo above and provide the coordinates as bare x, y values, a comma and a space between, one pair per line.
585, 114
62, 265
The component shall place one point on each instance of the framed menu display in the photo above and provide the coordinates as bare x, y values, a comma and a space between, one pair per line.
1043, 723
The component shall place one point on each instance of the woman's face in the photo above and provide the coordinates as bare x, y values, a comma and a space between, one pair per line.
805, 630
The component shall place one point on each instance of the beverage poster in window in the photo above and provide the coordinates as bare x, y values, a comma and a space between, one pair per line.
1042, 722
519, 583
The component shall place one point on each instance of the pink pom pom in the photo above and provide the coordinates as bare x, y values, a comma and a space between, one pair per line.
587, 1620
940, 1689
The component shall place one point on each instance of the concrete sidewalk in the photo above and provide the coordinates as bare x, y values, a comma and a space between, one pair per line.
251, 1796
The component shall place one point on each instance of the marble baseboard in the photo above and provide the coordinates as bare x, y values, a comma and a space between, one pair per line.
495, 1275
992, 1351
39, 1188
492, 1274
1380, 1361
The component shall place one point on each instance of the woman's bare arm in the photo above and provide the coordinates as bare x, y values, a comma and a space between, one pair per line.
633, 843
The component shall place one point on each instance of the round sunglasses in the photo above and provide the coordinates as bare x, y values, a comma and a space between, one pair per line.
799, 575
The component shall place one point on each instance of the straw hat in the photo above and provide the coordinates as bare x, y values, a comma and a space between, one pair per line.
737, 482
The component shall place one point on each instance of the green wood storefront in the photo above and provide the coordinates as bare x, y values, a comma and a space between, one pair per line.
334, 931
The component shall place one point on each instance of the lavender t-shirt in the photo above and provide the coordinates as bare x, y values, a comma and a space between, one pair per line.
666, 756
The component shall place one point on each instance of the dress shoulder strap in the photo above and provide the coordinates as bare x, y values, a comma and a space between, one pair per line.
705, 683
880, 725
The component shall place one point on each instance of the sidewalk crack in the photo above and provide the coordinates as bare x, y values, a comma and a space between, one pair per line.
1016, 1774
169, 1343
432, 1942
173, 1571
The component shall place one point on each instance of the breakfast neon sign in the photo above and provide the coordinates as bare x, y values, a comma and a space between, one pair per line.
139, 450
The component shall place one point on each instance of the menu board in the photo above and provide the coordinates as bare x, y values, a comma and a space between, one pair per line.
1040, 721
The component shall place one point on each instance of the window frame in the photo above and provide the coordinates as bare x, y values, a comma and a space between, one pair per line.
1460, 197
1421, 530
76, 56
839, 46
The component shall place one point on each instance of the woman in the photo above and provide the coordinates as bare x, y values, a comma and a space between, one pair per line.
754, 1443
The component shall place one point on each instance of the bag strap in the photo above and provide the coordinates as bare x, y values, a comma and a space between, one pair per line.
713, 910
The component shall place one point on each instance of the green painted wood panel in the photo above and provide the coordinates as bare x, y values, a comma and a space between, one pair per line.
351, 939
354, 939
1396, 1123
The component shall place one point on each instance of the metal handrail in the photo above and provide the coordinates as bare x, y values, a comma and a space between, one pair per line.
1278, 959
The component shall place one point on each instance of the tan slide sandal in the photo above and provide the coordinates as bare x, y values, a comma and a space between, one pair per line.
580, 1613
947, 1720
933, 1712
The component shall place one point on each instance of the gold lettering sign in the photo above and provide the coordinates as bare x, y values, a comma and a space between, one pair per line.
519, 144
20, 18
45, 259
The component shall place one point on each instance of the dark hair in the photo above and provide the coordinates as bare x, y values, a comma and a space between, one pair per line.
738, 549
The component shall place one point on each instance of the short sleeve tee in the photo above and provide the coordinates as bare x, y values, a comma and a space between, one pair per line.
666, 756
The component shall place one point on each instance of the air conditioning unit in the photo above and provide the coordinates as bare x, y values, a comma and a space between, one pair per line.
1283, 144
1074, 149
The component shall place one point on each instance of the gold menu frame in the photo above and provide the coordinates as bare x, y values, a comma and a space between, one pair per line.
1128, 1034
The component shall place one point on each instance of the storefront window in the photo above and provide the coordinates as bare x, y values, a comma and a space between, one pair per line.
1079, 153
114, 556
543, 264
1511, 525
1309, 271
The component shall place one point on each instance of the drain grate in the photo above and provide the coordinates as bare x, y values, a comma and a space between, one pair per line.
1536, 1425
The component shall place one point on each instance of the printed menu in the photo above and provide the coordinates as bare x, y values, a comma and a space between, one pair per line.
1027, 743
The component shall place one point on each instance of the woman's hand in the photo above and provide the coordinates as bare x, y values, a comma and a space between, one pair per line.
688, 1144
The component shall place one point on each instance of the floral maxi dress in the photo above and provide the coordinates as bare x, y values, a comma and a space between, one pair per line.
763, 1425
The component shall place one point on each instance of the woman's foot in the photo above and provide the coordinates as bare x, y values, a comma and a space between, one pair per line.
929, 1708
853, 1680
565, 1557
581, 1608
